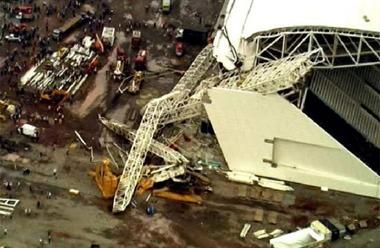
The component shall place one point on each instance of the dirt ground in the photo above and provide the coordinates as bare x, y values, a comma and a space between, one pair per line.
85, 219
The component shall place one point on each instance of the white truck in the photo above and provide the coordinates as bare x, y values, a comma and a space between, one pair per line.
108, 36
29, 130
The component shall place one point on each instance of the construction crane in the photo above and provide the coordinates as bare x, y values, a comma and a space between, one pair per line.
266, 78
150, 121
170, 155
183, 103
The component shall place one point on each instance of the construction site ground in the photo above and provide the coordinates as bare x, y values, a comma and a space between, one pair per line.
79, 220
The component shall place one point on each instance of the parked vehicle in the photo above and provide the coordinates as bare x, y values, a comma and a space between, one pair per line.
119, 69
136, 39
59, 33
140, 60
29, 130
135, 85
121, 61
166, 6
193, 36
24, 12
13, 37
18, 28
108, 36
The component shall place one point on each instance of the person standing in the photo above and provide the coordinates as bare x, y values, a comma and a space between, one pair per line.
49, 236
55, 173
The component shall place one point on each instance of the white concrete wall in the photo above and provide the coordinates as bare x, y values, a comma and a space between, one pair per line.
304, 152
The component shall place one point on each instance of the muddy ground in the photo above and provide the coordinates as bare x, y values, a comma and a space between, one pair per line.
85, 219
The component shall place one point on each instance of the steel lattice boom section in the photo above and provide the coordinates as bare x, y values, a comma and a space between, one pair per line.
179, 105
339, 47
191, 106
273, 76
170, 155
266, 78
150, 121
144, 135
196, 70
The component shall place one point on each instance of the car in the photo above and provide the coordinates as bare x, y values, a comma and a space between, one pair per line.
12, 37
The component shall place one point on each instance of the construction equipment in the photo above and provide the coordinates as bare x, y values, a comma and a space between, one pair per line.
186, 101
191, 198
123, 86
55, 96
169, 155
132, 84
266, 78
135, 84
166, 172
144, 185
121, 63
144, 136
99, 46
7, 109
93, 65
140, 60
105, 179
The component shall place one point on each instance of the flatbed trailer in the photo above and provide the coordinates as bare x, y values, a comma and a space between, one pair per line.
59, 33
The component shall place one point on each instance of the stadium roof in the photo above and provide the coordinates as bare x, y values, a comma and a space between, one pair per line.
244, 18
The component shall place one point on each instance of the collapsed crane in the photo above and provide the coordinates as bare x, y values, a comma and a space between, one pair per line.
186, 101
168, 154
150, 121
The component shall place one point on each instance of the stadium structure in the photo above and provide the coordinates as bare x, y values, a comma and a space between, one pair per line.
295, 98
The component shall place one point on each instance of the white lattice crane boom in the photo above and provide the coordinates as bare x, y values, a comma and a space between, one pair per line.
150, 121
266, 78
170, 155
182, 103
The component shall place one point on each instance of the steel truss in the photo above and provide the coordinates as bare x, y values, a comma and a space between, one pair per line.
185, 101
166, 172
170, 155
266, 78
339, 48
150, 121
